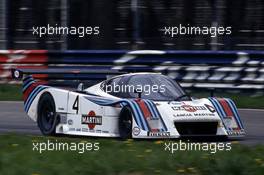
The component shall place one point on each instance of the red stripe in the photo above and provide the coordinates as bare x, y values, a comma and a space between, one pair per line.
30, 56
236, 129
146, 112
28, 91
144, 108
226, 107
228, 110
31, 88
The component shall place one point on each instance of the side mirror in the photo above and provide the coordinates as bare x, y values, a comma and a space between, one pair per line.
212, 92
138, 92
80, 87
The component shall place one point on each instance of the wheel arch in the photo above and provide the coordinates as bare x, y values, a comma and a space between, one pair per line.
59, 96
127, 114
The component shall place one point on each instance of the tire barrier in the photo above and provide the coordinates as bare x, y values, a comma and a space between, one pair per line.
23, 59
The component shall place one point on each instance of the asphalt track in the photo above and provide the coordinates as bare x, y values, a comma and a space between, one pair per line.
14, 120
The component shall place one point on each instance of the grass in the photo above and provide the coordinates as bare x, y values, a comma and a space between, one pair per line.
10, 92
242, 100
123, 157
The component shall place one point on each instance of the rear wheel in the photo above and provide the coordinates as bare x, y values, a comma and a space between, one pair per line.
47, 114
125, 123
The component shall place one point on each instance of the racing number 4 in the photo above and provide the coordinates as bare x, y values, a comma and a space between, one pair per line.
75, 105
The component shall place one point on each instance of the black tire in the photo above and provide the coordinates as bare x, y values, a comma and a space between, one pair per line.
47, 119
125, 123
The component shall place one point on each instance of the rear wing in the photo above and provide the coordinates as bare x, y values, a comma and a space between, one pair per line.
19, 73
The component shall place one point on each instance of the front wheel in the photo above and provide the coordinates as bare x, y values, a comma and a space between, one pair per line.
47, 114
125, 123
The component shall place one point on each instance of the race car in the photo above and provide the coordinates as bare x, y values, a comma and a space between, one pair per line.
130, 105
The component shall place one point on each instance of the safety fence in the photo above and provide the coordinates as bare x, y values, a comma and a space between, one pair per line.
193, 69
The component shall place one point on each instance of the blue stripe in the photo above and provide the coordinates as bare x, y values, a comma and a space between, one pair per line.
141, 116
103, 102
225, 116
137, 115
35, 96
27, 81
218, 111
106, 102
155, 113
220, 107
150, 109
236, 114
158, 114
122, 105
135, 112
232, 104
152, 112
140, 119
28, 84
28, 77
32, 96
216, 107
233, 107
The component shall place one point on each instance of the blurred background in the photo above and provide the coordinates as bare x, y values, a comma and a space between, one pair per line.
227, 62
132, 24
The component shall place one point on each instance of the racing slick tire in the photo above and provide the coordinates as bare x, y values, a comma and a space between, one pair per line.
47, 118
125, 123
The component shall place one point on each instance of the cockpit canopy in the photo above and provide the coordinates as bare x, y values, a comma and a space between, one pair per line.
155, 87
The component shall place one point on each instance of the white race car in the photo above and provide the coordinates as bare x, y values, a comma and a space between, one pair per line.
135, 105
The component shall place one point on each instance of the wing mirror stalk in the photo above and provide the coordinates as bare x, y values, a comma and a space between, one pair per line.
139, 93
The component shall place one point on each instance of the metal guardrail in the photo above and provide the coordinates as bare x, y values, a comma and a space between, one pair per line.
193, 69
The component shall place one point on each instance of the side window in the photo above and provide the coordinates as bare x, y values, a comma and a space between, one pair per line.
112, 86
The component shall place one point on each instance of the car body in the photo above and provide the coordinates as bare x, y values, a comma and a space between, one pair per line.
102, 111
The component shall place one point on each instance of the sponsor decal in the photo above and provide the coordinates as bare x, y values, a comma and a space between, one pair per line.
182, 115
158, 134
175, 103
203, 114
236, 132
70, 122
188, 108
72, 129
136, 131
16, 74
193, 115
85, 130
210, 108
91, 120
230, 122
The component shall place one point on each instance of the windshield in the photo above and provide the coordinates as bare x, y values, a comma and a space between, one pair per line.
151, 86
